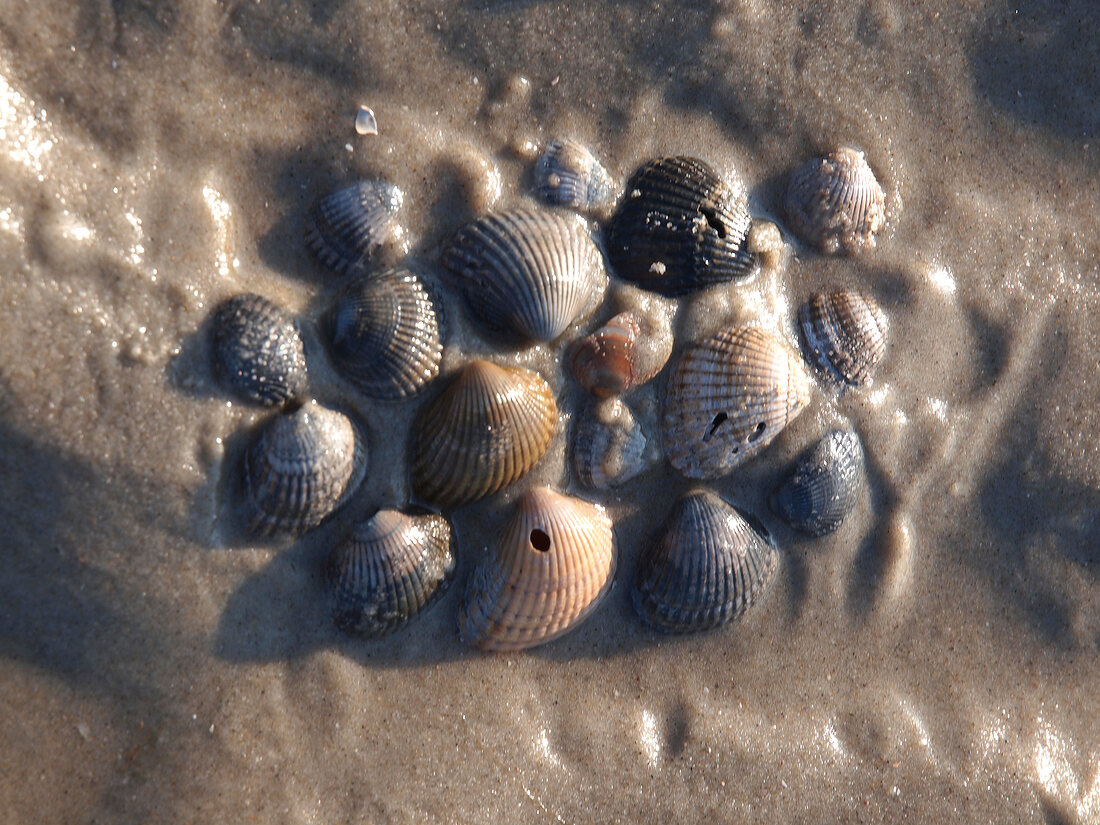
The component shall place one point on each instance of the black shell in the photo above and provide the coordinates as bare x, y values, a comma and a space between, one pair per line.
844, 333
680, 227
388, 570
568, 174
707, 566
347, 228
258, 351
383, 334
824, 486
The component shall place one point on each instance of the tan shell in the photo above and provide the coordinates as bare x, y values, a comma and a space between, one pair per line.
728, 397
627, 351
609, 447
553, 564
844, 335
486, 430
835, 203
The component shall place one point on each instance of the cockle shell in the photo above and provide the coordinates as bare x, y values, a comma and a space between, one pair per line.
627, 351
258, 351
824, 486
844, 333
487, 429
568, 174
554, 562
609, 447
835, 203
348, 227
728, 397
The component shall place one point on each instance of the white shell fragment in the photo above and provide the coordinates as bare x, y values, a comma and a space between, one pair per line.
365, 123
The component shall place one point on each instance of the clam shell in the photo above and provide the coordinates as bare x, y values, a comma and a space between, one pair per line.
844, 334
728, 397
707, 566
568, 174
835, 203
626, 351
486, 430
388, 570
301, 466
824, 486
680, 227
528, 272
347, 228
550, 569
383, 334
609, 447
258, 351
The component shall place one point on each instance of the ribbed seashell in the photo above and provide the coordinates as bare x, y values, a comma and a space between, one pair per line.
609, 447
568, 174
728, 397
258, 351
626, 351
824, 486
347, 228
486, 430
388, 570
301, 466
835, 203
553, 564
680, 227
383, 334
844, 334
528, 272
707, 566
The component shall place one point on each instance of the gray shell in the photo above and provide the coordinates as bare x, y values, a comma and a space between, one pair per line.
844, 334
609, 447
258, 351
824, 486
835, 203
347, 228
568, 174
706, 567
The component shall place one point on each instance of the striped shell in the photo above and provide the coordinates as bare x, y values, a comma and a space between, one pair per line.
835, 203
486, 430
844, 334
627, 351
390, 568
824, 486
707, 566
728, 397
258, 352
680, 227
300, 467
383, 334
553, 564
348, 227
567, 174
609, 447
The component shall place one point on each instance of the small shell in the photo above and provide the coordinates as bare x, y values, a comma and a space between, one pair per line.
383, 334
824, 485
258, 351
567, 174
835, 203
552, 566
609, 447
300, 467
708, 566
365, 121
680, 227
390, 568
844, 334
529, 272
485, 431
347, 228
627, 351
728, 397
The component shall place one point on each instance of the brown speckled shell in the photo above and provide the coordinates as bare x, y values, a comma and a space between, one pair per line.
835, 203
612, 359
844, 334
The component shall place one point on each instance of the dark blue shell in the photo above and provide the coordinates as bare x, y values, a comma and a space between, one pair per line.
258, 351
347, 228
824, 486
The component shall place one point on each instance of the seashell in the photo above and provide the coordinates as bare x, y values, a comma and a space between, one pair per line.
680, 227
568, 174
835, 203
824, 485
390, 568
844, 334
485, 431
609, 447
708, 565
258, 351
347, 228
383, 334
728, 397
551, 568
528, 272
301, 466
627, 351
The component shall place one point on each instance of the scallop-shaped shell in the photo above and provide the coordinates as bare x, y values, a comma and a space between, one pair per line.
553, 564
300, 467
835, 203
609, 447
626, 351
844, 333
383, 334
486, 430
707, 566
728, 397
528, 272
258, 351
680, 227
390, 568
347, 228
824, 486
568, 174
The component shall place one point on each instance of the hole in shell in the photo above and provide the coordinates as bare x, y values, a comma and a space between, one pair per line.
718, 421
758, 432
713, 220
540, 541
